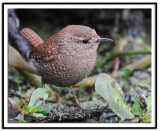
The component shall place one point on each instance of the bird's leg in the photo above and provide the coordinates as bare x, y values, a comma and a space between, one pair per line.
75, 98
43, 81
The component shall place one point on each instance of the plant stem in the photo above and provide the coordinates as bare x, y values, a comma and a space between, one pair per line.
135, 52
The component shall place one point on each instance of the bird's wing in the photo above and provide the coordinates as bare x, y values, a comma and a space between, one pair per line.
33, 37
47, 51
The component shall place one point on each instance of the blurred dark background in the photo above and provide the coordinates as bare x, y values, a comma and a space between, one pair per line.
48, 21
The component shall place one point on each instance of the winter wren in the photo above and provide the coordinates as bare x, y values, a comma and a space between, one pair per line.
67, 57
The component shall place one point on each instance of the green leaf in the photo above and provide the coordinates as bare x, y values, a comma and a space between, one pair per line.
109, 89
137, 109
67, 101
33, 109
94, 117
44, 109
149, 104
36, 95
147, 120
17, 79
25, 108
37, 114
123, 72
20, 118
115, 85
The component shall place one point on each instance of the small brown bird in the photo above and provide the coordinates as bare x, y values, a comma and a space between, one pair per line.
67, 57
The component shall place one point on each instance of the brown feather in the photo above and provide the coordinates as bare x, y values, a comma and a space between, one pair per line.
33, 37
47, 50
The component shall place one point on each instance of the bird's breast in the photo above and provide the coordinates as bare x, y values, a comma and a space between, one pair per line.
67, 69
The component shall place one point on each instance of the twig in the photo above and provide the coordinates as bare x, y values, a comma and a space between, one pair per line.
87, 82
140, 64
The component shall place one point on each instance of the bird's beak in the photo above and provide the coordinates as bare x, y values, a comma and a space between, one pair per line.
103, 39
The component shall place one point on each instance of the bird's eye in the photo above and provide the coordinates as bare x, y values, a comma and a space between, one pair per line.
85, 41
